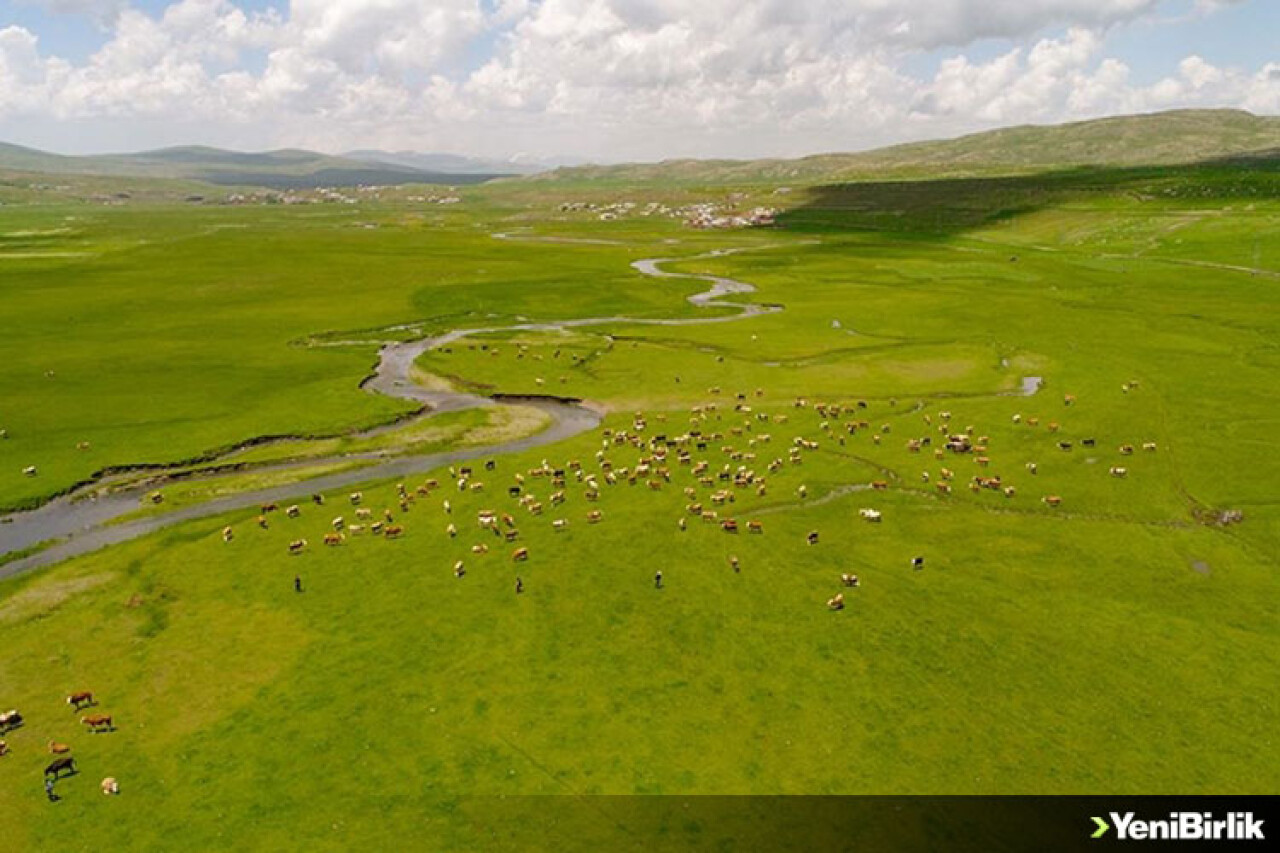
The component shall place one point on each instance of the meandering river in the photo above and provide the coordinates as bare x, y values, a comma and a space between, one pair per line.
81, 522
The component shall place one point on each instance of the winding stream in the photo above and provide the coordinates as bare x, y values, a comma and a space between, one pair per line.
82, 522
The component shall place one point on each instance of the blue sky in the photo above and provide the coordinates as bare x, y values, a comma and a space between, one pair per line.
610, 79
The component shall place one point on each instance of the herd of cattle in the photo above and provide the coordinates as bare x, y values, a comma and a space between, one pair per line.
740, 437
63, 764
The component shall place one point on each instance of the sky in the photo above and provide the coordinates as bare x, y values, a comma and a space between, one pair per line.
610, 80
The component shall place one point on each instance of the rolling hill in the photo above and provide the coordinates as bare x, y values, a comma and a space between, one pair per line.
1168, 138
286, 168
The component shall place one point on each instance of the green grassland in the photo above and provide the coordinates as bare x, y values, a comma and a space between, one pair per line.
1121, 642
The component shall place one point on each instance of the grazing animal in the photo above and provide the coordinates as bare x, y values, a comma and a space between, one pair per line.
155, 498
459, 569
812, 538
594, 516
364, 513
317, 499
262, 522
29, 471
83, 699
1010, 491
333, 539
519, 555
356, 529
266, 508
376, 527
98, 723
879, 485
356, 497
338, 523
943, 488
56, 748
836, 603
561, 524
917, 562
227, 534
681, 523
110, 786
733, 561
1064, 445
1052, 500
1032, 467
292, 511
296, 546
849, 580
870, 514
1126, 449
753, 527
10, 720
58, 765
451, 530
480, 549
393, 531
1119, 472
1149, 446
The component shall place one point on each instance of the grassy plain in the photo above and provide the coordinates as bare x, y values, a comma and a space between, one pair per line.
1117, 643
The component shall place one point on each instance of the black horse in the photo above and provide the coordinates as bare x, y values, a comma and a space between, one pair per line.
58, 765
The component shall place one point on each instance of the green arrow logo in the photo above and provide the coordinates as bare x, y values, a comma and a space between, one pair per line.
1102, 828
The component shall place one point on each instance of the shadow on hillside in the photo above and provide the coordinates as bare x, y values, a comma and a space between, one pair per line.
948, 205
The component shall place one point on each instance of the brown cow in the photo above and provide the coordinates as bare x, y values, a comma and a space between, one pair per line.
83, 699
296, 546
1052, 500
333, 538
755, 527
520, 554
879, 485
58, 748
393, 531
262, 522
594, 516
98, 723
266, 508
227, 534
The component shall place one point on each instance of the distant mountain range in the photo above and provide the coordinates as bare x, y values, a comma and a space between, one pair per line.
286, 168
1156, 139
1167, 138
457, 164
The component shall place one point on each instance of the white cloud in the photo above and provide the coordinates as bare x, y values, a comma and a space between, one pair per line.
607, 78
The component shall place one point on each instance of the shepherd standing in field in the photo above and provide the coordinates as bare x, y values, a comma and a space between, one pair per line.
657, 580
297, 583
